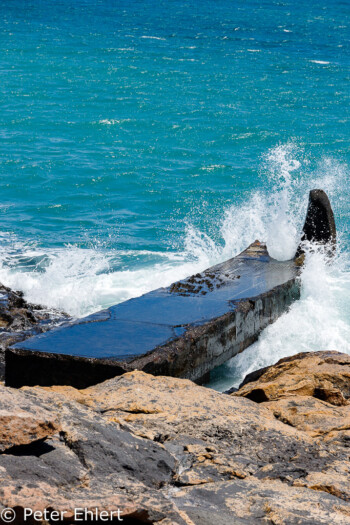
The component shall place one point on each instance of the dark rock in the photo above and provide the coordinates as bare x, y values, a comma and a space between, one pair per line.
247, 502
319, 226
253, 376
230, 390
20, 320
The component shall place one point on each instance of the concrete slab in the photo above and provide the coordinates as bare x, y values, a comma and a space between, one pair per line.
184, 330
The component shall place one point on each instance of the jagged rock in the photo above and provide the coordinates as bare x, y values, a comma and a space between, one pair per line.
310, 392
322, 375
20, 320
319, 226
89, 462
166, 451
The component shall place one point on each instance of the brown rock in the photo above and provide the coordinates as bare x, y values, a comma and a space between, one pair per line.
21, 423
89, 462
323, 375
316, 417
310, 392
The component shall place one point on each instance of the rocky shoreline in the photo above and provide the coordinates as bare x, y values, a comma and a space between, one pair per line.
166, 451
156, 449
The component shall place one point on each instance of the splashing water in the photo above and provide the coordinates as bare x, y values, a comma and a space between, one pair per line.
320, 319
81, 281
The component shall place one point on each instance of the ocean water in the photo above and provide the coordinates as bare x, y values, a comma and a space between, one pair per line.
144, 141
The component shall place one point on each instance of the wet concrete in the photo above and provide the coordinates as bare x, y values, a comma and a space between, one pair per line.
184, 330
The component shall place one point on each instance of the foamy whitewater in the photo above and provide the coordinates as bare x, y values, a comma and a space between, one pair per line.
81, 281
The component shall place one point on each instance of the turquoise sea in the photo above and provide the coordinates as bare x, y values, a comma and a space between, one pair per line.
144, 140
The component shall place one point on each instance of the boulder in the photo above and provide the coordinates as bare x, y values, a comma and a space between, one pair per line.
311, 393
322, 375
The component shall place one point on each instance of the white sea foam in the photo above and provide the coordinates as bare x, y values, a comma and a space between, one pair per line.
324, 62
80, 281
320, 320
111, 122
153, 37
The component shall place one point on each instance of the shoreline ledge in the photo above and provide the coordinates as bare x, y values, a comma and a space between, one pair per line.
185, 330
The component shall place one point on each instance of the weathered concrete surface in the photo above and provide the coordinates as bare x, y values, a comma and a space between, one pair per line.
184, 330
166, 451
20, 320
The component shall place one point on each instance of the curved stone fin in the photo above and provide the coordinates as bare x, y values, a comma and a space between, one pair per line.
319, 226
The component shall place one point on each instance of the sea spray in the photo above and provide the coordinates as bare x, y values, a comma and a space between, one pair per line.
81, 281
318, 321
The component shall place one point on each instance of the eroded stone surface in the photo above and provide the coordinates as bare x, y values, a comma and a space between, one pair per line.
165, 450
322, 375
248, 501
21, 422
310, 392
